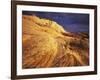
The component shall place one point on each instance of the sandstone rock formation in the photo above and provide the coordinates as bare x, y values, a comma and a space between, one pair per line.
47, 44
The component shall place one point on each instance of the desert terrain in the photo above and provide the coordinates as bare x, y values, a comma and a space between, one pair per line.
46, 44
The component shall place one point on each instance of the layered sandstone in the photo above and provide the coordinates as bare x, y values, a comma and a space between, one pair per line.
47, 44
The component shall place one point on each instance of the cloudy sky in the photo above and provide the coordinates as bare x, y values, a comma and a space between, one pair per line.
73, 22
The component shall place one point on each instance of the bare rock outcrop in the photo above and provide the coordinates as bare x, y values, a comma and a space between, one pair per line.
47, 44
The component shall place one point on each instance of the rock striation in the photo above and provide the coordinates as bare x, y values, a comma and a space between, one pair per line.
47, 44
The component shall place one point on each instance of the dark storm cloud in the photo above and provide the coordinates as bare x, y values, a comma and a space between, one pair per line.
73, 22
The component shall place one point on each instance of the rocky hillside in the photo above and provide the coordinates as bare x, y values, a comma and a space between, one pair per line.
47, 44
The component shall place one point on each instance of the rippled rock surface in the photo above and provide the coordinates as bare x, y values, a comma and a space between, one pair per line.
47, 44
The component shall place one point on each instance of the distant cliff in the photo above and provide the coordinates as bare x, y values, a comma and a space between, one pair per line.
47, 44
